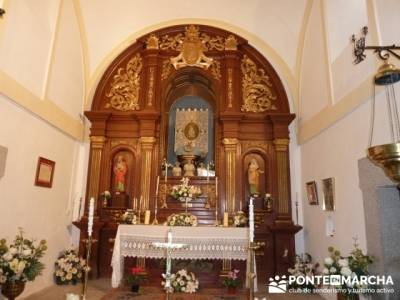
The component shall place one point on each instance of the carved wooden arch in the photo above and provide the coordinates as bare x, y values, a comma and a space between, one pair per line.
228, 58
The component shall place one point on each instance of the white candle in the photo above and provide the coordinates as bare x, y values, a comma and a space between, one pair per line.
147, 217
158, 183
90, 218
208, 173
226, 219
166, 172
240, 205
141, 203
169, 237
251, 220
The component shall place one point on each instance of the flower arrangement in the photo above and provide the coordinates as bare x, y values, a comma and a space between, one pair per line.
183, 281
129, 217
232, 280
136, 276
182, 219
240, 219
69, 268
20, 261
303, 267
355, 265
184, 190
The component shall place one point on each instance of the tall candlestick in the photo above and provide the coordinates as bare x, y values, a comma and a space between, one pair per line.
90, 218
251, 220
158, 183
297, 209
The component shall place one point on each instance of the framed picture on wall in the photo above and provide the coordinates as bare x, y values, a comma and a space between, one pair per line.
44, 172
328, 189
312, 194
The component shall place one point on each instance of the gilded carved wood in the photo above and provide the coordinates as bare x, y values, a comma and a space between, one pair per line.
124, 91
256, 87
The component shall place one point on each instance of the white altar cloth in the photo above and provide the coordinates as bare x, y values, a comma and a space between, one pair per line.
203, 243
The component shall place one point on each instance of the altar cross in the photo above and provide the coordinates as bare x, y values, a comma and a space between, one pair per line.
169, 246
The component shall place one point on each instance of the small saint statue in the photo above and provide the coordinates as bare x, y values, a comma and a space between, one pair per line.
189, 169
177, 170
120, 169
254, 176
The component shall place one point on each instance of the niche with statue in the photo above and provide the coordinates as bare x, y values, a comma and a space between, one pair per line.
122, 171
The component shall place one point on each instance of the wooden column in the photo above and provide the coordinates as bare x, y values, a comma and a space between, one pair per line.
96, 151
283, 179
146, 145
230, 146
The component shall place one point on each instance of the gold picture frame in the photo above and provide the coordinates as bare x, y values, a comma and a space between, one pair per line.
44, 172
328, 189
312, 194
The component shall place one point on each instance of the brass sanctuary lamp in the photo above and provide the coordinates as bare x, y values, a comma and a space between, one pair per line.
387, 156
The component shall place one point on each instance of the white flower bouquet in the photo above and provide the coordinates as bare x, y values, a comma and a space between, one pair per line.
69, 268
184, 190
182, 219
20, 261
129, 217
240, 219
355, 265
183, 282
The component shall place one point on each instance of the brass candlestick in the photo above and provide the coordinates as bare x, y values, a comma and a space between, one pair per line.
88, 243
164, 205
155, 221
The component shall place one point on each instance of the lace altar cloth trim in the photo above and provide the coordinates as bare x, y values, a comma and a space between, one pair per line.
212, 248
202, 243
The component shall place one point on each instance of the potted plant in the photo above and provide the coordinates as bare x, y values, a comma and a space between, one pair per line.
135, 278
303, 267
19, 263
232, 281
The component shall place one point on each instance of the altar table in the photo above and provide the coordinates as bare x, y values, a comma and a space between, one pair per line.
202, 243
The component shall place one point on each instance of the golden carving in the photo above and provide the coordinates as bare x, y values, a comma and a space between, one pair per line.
150, 92
166, 69
230, 141
216, 69
257, 92
192, 48
210, 42
116, 143
152, 42
281, 144
230, 87
124, 92
231, 43
264, 145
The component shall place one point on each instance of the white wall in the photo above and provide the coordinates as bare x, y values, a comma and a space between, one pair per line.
336, 149
44, 213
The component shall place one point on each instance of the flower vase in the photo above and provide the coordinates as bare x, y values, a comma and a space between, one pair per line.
11, 290
135, 288
232, 290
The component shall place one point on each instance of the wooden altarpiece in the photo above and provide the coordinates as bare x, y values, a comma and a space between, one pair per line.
129, 117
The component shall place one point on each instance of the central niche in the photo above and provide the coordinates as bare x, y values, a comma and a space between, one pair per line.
191, 131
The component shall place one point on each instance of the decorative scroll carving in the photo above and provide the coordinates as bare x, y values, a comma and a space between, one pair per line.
209, 42
255, 144
231, 43
124, 92
115, 143
166, 69
257, 92
150, 92
230, 87
152, 42
216, 69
